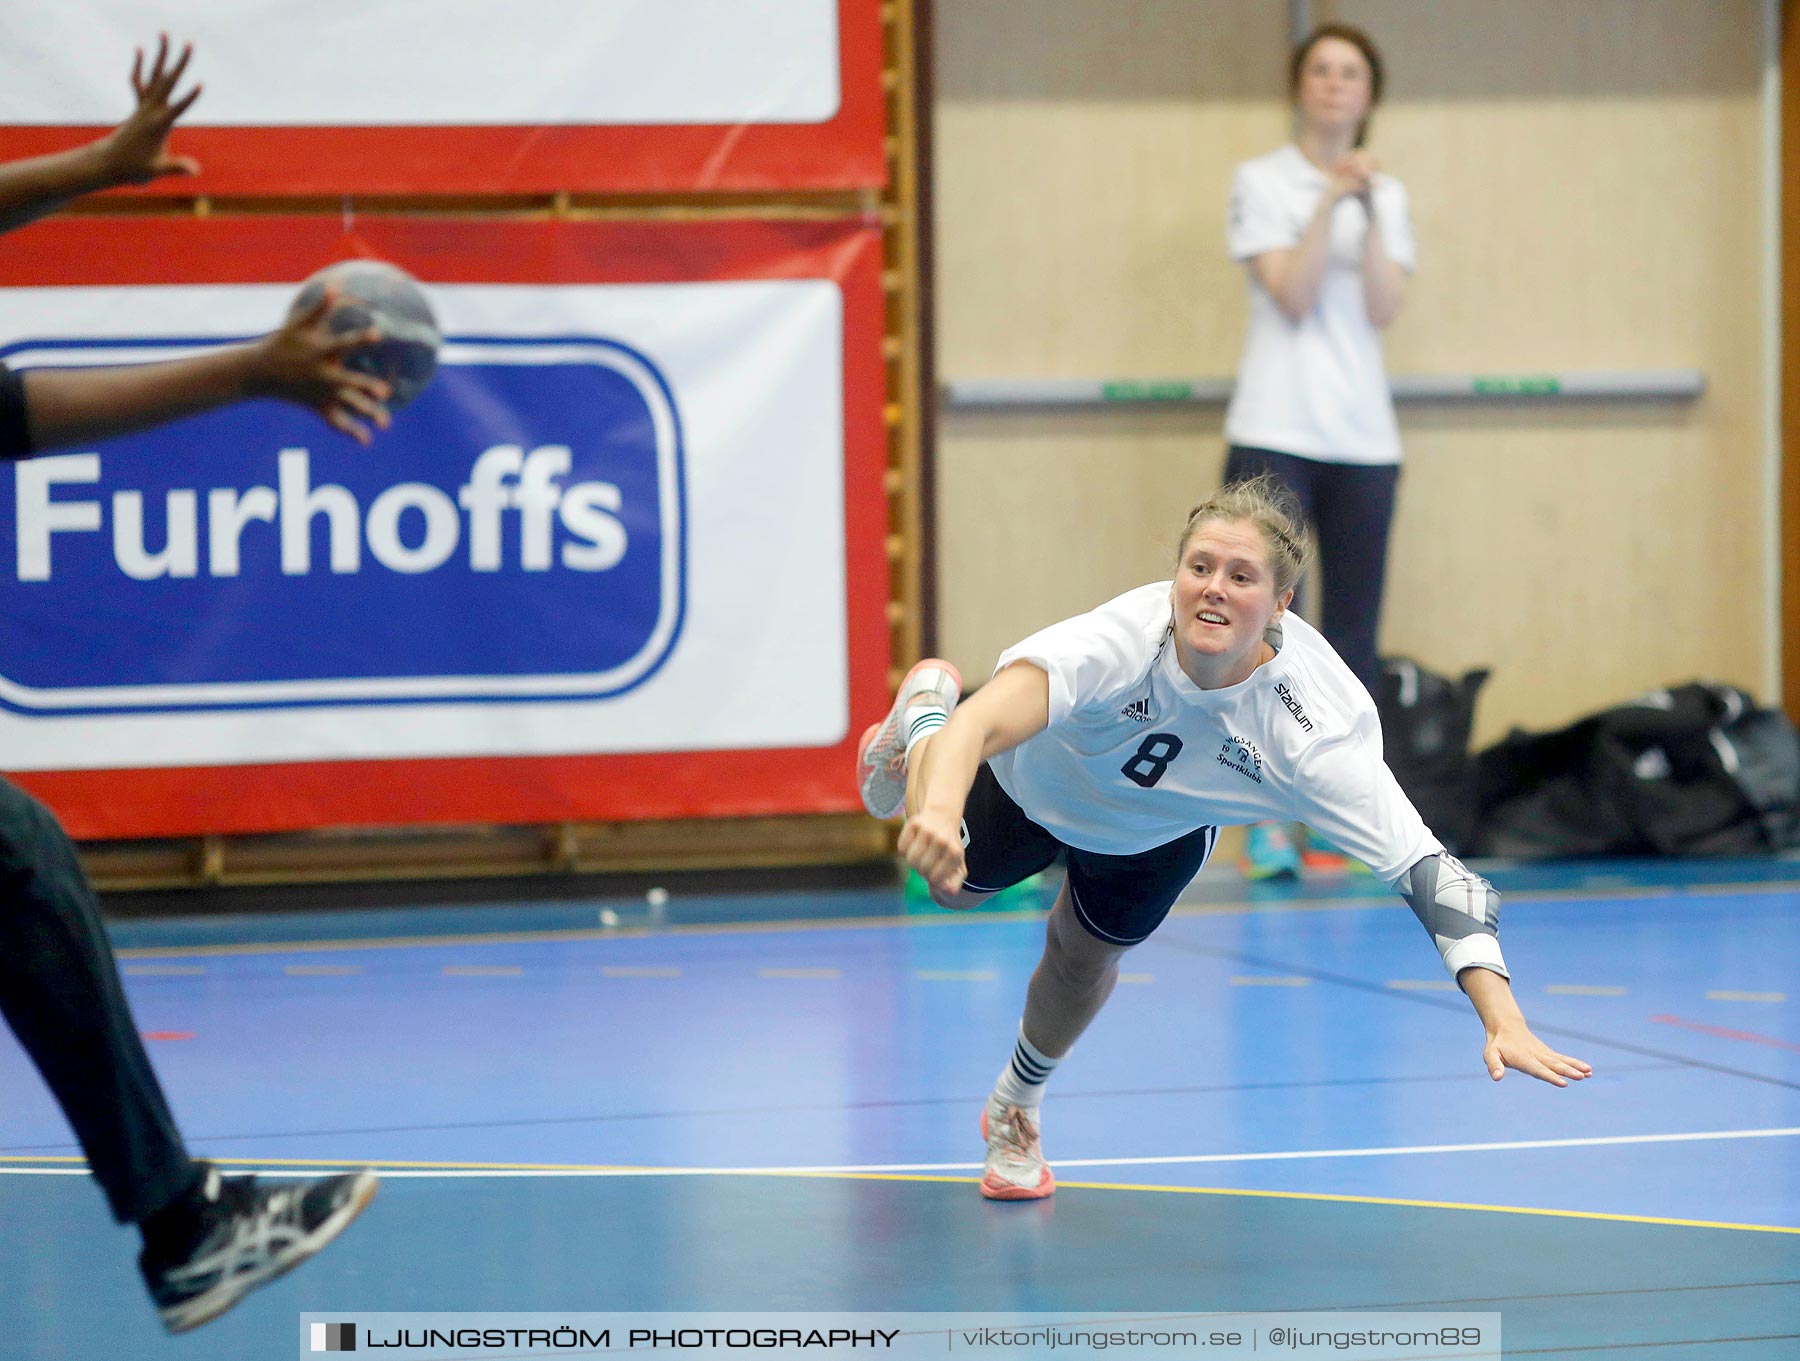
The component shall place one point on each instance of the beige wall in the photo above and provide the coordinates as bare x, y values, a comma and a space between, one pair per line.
1586, 185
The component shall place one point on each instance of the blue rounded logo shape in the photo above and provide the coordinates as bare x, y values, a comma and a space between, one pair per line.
519, 534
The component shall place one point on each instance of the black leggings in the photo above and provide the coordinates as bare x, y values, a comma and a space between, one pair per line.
60, 992
1119, 899
1351, 508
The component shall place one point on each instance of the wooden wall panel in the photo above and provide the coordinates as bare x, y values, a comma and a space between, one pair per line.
1585, 183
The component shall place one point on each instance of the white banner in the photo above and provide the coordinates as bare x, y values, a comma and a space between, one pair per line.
377, 63
253, 587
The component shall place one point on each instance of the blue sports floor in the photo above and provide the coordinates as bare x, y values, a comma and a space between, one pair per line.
1283, 1107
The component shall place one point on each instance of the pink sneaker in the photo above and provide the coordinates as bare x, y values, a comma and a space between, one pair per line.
1015, 1168
881, 756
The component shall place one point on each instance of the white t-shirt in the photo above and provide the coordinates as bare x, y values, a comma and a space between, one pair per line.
1316, 387
1136, 754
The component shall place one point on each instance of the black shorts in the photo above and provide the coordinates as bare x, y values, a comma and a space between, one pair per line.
1120, 899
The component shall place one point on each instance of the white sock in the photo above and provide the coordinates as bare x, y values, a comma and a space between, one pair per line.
1022, 1080
923, 717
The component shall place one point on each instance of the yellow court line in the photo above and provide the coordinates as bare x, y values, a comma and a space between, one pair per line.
1322, 1196
946, 918
1436, 1205
539, 937
1240, 907
292, 947
378, 1164
1659, 891
1781, 886
788, 925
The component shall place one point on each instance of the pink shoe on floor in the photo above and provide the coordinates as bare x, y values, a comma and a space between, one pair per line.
1015, 1168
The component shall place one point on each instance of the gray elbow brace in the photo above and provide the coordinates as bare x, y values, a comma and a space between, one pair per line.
1459, 909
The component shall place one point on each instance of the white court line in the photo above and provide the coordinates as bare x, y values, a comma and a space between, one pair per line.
1612, 1141
45, 1171
955, 975
1728, 995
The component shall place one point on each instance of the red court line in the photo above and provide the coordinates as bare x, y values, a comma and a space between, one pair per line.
1723, 1033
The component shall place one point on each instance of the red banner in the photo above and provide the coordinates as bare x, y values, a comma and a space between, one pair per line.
154, 769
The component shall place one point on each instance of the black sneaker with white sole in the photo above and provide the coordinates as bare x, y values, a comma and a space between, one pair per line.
253, 1232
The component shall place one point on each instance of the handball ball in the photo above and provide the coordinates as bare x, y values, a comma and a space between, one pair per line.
375, 293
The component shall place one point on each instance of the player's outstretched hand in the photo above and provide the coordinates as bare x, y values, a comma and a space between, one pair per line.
932, 845
303, 362
1512, 1045
137, 151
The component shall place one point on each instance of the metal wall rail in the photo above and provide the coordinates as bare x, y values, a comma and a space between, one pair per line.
1584, 384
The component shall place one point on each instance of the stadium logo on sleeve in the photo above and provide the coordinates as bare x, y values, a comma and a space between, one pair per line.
1293, 706
518, 535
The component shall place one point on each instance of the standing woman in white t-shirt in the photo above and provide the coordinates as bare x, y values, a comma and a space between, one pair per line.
1122, 740
1327, 246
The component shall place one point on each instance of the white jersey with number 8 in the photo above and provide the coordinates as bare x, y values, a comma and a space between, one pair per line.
1136, 754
